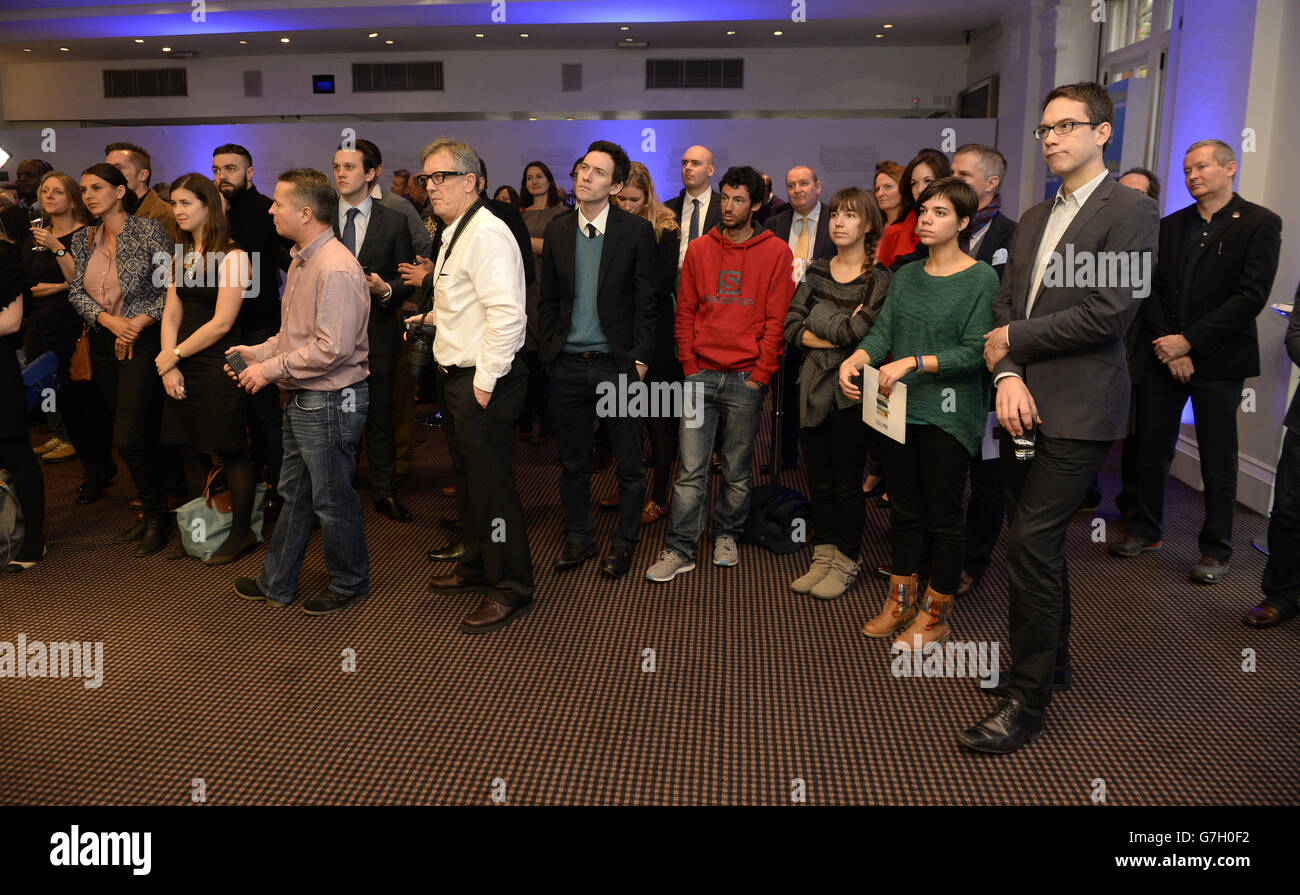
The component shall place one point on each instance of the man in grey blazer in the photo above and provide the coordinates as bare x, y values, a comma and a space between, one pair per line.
1080, 266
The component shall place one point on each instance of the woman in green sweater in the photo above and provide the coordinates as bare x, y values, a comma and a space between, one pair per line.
933, 324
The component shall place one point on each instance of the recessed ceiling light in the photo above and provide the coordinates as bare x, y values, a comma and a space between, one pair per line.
624, 28
373, 34
139, 40
65, 50
880, 35
243, 43
27, 49
777, 33
166, 49
730, 33
284, 40
627, 38
389, 42
480, 35
568, 118
525, 34
889, 26
532, 117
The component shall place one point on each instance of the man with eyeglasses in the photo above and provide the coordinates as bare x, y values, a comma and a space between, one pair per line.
1059, 363
479, 311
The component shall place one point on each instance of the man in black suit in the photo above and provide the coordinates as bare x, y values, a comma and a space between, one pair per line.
1218, 258
986, 238
805, 225
380, 240
252, 228
1281, 584
597, 323
1058, 359
697, 206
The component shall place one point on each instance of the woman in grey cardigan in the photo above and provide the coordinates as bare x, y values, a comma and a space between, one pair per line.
117, 292
833, 308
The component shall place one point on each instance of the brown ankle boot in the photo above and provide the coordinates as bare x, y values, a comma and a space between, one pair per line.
930, 625
899, 609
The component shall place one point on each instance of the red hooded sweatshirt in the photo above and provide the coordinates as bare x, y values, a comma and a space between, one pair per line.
731, 304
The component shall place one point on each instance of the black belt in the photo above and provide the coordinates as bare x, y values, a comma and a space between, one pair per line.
591, 355
455, 371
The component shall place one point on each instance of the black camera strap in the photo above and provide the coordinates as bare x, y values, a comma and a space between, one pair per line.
474, 209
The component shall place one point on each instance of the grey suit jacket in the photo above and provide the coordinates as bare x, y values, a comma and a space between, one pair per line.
1070, 350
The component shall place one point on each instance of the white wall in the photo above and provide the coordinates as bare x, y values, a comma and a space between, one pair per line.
881, 80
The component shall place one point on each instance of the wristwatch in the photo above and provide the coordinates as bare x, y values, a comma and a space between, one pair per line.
177, 351
60, 253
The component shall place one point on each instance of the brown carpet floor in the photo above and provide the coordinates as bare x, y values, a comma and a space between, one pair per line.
758, 694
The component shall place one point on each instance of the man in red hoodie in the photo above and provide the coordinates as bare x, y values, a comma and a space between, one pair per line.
732, 298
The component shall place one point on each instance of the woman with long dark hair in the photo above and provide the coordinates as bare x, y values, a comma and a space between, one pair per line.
901, 238
52, 324
932, 323
832, 310
541, 202
116, 290
204, 411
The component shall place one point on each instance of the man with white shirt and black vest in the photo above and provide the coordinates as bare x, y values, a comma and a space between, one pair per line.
480, 314
698, 207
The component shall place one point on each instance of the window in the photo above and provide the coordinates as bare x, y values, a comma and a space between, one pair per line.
1136, 40
1129, 22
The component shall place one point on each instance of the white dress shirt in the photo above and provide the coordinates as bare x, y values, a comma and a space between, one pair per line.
1064, 209
598, 221
478, 299
362, 220
814, 217
688, 209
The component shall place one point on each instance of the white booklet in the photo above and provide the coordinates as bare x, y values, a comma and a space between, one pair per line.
884, 414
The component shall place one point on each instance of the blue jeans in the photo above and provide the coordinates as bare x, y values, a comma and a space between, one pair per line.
729, 402
321, 434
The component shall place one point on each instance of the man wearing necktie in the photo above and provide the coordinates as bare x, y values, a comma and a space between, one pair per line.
698, 208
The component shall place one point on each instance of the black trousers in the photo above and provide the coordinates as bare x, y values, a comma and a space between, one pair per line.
1214, 402
663, 434
482, 443
926, 476
381, 443
1042, 497
537, 402
132, 393
17, 456
574, 397
833, 454
792, 361
265, 418
984, 513
1130, 458
1281, 583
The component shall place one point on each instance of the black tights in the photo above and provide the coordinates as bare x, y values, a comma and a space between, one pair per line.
239, 478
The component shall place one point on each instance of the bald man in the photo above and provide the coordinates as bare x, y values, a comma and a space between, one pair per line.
698, 207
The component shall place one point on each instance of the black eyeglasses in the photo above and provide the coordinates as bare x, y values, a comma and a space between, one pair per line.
437, 177
1061, 128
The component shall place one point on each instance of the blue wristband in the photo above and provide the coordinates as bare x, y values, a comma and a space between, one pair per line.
920, 364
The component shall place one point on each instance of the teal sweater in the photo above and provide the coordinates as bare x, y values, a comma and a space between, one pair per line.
946, 317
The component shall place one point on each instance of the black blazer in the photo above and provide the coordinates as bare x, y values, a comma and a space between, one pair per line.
1292, 420
1212, 293
712, 216
823, 249
1071, 350
627, 293
664, 363
387, 244
1001, 232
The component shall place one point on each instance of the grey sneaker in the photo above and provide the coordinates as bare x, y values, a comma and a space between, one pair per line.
670, 565
724, 551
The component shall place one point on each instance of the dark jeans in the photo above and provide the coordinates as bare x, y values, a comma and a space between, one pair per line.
381, 444
575, 402
1281, 583
733, 408
16, 455
1214, 402
482, 444
132, 393
833, 454
321, 432
265, 421
984, 513
926, 479
1042, 497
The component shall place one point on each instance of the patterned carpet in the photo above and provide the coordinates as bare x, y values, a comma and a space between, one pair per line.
758, 695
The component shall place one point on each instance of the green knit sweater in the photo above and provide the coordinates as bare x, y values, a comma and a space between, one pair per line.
947, 317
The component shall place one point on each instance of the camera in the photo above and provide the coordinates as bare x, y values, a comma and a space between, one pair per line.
419, 335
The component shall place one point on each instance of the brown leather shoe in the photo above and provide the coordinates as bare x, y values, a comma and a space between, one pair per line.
610, 502
449, 491
489, 615
1265, 615
652, 512
453, 583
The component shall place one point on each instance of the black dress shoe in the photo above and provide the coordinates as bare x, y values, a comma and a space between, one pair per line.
616, 562
156, 533
393, 509
448, 552
328, 602
454, 583
134, 533
1062, 679
1266, 615
490, 615
1006, 729
574, 555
